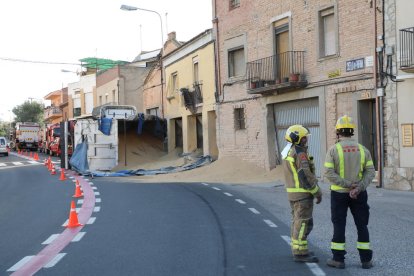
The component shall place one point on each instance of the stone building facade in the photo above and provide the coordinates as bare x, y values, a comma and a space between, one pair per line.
399, 96
293, 62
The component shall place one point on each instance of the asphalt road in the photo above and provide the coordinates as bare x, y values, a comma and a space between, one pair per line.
185, 229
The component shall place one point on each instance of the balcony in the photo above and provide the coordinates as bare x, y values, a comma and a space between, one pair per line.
278, 73
192, 98
407, 50
51, 113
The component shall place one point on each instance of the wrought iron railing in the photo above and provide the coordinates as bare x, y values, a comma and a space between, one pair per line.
192, 98
287, 67
407, 48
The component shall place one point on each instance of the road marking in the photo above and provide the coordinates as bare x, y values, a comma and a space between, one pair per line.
97, 209
316, 270
228, 194
55, 260
287, 239
254, 211
78, 236
205, 184
98, 200
91, 220
3, 164
215, 188
270, 223
66, 222
20, 263
94, 188
51, 238
97, 193
33, 162
240, 201
80, 201
17, 163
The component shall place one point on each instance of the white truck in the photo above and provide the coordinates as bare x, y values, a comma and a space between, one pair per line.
27, 136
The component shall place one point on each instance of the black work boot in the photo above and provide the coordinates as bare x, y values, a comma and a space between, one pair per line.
305, 258
367, 265
335, 264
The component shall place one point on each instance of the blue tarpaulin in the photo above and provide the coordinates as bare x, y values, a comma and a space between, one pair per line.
105, 125
141, 119
79, 159
200, 162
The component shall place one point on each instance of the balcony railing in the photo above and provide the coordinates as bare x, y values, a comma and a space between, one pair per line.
192, 98
283, 71
407, 49
52, 112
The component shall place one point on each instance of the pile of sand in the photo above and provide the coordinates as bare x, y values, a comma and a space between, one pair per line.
145, 152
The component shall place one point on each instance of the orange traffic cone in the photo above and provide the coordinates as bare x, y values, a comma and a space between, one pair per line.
62, 174
53, 171
31, 154
73, 217
78, 192
36, 157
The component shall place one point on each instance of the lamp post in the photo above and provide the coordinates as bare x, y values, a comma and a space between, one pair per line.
132, 8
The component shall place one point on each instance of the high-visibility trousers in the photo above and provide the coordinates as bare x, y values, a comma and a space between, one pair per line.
340, 202
302, 224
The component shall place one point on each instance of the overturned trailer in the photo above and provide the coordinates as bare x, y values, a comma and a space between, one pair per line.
100, 134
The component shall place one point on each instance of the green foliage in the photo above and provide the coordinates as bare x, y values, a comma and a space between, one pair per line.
29, 112
4, 129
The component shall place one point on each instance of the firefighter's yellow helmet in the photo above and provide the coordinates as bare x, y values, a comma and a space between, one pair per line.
295, 133
345, 122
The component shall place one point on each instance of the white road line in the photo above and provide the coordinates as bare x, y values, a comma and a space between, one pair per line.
71, 177
55, 260
240, 201
94, 188
270, 223
316, 270
286, 238
51, 238
80, 201
98, 200
205, 184
254, 211
97, 193
78, 236
33, 162
228, 194
91, 220
17, 163
3, 164
65, 223
97, 209
74, 180
215, 188
20, 263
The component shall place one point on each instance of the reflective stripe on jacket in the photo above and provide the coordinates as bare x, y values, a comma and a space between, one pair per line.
300, 181
348, 162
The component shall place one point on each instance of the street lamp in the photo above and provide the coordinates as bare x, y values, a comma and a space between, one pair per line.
132, 8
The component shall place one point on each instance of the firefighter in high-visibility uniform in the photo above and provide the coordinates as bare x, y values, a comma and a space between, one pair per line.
302, 187
349, 169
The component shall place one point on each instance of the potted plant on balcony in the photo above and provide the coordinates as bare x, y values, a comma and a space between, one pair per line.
294, 77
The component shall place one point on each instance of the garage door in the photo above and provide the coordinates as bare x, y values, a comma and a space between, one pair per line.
303, 112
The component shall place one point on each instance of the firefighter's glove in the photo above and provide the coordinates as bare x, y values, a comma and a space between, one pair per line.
318, 199
354, 193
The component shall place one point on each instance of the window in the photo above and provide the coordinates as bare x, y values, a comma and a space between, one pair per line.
327, 33
239, 120
237, 65
195, 71
234, 4
76, 112
173, 85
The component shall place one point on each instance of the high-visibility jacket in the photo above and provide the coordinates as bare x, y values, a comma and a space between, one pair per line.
348, 162
300, 181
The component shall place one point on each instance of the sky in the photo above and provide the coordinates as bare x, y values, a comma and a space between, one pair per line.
39, 39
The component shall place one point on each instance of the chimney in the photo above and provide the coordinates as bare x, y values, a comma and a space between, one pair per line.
171, 36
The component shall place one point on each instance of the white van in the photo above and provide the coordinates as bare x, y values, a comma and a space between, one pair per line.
3, 146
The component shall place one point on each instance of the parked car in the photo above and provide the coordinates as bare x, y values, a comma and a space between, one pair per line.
3, 146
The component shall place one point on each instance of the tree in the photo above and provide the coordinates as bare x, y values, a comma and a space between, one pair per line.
29, 112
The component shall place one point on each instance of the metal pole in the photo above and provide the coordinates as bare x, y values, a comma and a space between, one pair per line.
125, 146
66, 144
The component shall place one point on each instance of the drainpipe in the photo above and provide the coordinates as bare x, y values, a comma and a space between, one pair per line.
380, 96
217, 52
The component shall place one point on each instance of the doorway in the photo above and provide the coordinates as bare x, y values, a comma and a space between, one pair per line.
367, 131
